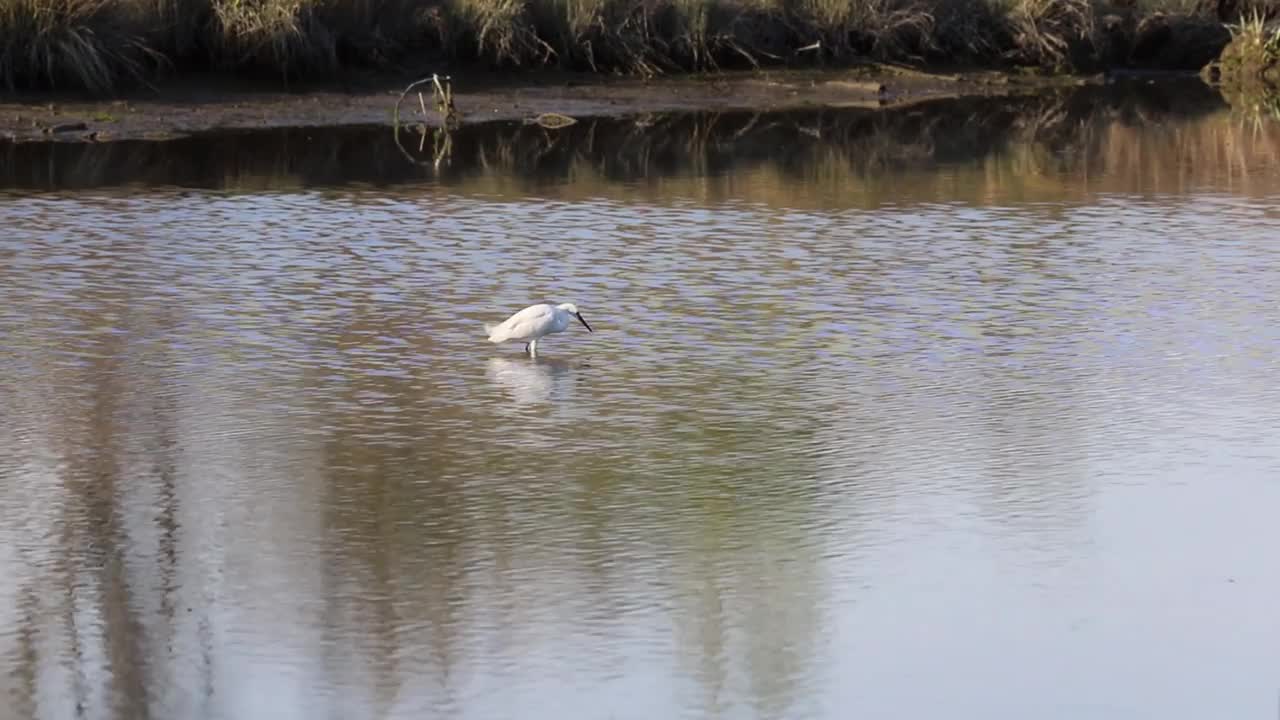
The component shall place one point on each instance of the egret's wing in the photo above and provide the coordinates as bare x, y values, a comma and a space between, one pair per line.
526, 323
530, 321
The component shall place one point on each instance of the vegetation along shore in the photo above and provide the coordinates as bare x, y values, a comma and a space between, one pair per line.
105, 46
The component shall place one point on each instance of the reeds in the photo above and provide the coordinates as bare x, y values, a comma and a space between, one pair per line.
77, 43
1255, 45
1045, 31
98, 44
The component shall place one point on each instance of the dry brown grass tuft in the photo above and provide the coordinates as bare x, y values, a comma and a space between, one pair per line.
501, 31
884, 29
278, 35
1251, 61
1045, 31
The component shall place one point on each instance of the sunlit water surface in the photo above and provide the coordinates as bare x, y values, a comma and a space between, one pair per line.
907, 420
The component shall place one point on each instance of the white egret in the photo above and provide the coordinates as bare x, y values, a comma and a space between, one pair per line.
534, 323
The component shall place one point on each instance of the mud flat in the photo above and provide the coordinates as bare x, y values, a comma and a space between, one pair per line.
207, 105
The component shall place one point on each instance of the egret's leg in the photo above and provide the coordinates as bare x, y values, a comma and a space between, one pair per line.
533, 349
526, 348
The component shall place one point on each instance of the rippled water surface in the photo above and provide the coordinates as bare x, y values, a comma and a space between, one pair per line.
968, 411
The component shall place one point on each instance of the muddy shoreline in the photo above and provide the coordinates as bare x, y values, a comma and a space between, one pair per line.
213, 104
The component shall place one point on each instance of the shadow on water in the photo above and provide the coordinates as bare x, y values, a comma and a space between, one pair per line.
798, 143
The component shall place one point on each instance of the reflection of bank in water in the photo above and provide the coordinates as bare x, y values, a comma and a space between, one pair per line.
838, 147
531, 381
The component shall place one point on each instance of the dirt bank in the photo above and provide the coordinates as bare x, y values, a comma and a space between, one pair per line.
214, 104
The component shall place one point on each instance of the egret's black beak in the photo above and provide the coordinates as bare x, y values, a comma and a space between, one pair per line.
584, 322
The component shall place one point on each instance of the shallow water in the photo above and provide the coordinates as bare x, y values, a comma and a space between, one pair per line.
968, 410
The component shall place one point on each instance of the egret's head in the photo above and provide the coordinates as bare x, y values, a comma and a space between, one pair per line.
573, 310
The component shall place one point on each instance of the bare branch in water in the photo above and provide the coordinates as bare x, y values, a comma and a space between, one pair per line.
442, 96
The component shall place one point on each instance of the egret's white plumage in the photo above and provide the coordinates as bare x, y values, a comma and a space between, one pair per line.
535, 322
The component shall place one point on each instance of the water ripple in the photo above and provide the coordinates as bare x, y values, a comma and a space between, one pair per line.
260, 459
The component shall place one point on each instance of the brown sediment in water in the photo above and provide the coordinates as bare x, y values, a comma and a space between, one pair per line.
219, 105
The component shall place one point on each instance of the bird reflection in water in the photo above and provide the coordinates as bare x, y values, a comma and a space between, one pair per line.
532, 381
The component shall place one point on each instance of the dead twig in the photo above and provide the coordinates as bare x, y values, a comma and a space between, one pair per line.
755, 117
442, 96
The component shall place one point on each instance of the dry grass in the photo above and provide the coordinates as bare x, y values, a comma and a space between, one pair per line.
1250, 64
1258, 39
61, 43
1045, 31
94, 44
272, 33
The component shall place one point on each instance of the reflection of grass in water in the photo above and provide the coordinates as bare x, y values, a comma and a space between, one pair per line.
1023, 157
1243, 154
412, 517
1259, 104
439, 501
1010, 149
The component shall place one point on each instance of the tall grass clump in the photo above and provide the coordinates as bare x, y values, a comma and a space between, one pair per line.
969, 30
500, 30
1250, 63
94, 44
275, 35
180, 27
645, 37
83, 44
883, 29
1255, 41
1044, 32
